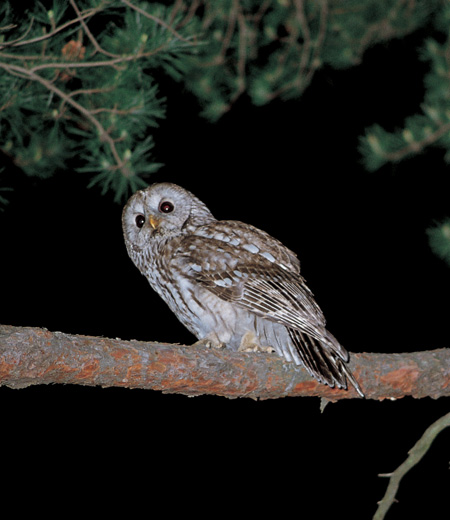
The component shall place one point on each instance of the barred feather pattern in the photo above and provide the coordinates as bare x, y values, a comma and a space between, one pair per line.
230, 283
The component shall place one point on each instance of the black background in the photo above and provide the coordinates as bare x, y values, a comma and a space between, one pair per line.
294, 170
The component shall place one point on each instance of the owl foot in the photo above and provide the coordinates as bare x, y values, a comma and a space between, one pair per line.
250, 343
257, 348
208, 343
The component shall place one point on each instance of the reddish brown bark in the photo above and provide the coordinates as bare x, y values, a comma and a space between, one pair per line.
33, 356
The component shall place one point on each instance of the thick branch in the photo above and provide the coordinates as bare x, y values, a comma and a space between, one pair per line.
32, 356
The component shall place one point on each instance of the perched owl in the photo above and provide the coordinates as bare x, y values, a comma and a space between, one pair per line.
229, 283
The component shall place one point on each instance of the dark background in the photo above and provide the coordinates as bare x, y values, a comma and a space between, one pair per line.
294, 170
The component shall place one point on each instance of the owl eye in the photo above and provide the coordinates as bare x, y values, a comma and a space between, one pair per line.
166, 207
140, 219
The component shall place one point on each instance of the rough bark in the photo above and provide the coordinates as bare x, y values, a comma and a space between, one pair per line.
35, 356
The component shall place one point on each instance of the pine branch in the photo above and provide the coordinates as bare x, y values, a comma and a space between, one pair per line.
32, 356
31, 74
422, 130
112, 53
105, 63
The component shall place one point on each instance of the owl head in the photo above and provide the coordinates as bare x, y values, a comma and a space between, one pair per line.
161, 210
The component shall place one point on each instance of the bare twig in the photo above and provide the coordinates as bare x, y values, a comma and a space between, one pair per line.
194, 5
415, 454
89, 34
242, 55
24, 35
306, 33
19, 42
100, 63
155, 19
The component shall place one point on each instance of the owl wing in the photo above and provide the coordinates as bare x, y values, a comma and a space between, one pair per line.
266, 281
242, 264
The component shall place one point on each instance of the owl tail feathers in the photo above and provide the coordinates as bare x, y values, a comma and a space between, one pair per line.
324, 360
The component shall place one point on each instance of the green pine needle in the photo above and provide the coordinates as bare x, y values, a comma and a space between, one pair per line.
439, 240
89, 72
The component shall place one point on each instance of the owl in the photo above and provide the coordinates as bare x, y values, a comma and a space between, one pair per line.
229, 283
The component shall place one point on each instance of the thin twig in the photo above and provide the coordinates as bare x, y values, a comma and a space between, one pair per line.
315, 62
104, 136
117, 111
175, 10
84, 91
89, 91
242, 50
89, 34
14, 42
195, 4
104, 63
46, 36
306, 33
415, 454
418, 146
155, 19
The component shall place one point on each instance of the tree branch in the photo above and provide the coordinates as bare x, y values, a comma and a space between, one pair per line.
32, 356
415, 454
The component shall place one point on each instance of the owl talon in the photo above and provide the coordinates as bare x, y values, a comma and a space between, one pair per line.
249, 343
256, 348
208, 343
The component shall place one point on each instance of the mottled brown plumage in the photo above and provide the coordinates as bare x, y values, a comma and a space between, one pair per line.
230, 283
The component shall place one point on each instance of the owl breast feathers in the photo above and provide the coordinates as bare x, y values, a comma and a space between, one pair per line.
230, 283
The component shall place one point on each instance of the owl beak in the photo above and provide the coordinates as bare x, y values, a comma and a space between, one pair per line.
154, 222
